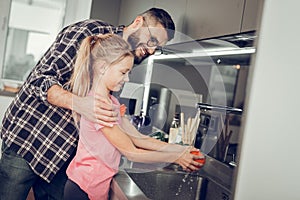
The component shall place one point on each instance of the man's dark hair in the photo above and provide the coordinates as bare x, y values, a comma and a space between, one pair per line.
164, 18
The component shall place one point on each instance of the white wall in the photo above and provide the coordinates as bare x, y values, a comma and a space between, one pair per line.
270, 164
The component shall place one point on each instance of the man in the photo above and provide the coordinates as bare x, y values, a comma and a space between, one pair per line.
38, 132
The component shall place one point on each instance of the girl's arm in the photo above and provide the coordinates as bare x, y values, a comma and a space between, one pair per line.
146, 142
126, 146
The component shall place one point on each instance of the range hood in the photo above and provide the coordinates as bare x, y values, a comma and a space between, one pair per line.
229, 49
217, 44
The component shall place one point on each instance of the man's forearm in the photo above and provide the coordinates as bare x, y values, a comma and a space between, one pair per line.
57, 96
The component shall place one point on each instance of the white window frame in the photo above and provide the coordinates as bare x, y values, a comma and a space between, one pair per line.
76, 10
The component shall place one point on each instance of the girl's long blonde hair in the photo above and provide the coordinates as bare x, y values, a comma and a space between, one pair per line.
109, 48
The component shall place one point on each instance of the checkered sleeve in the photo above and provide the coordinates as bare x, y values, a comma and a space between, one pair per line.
56, 66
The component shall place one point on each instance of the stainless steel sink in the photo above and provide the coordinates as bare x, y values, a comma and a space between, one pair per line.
164, 185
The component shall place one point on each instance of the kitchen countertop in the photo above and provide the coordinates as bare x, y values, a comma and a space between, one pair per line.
7, 93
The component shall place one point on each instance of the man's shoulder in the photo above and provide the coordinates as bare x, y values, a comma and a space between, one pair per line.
89, 26
96, 21
91, 23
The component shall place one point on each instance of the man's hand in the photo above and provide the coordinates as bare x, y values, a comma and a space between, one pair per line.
96, 109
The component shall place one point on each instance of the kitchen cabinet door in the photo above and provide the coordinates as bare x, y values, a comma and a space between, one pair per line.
251, 12
177, 9
211, 18
129, 9
106, 10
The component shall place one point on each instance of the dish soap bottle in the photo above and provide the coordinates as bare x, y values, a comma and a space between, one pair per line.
174, 128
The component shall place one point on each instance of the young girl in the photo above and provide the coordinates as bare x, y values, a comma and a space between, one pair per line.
102, 67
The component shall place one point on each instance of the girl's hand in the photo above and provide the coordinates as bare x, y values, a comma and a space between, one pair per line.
187, 160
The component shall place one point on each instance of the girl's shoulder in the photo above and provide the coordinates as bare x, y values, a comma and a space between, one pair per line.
114, 100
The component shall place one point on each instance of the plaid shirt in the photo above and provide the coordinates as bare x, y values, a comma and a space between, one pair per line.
43, 134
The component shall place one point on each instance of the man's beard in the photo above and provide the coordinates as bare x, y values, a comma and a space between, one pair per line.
134, 42
138, 59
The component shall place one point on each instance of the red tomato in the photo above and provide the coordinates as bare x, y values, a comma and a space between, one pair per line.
202, 160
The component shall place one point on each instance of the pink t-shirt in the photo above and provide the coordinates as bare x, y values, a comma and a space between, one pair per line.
96, 160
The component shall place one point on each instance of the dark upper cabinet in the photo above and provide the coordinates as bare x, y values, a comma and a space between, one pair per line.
129, 9
106, 10
211, 18
251, 15
199, 19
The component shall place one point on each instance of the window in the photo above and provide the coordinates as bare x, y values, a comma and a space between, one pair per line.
32, 27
